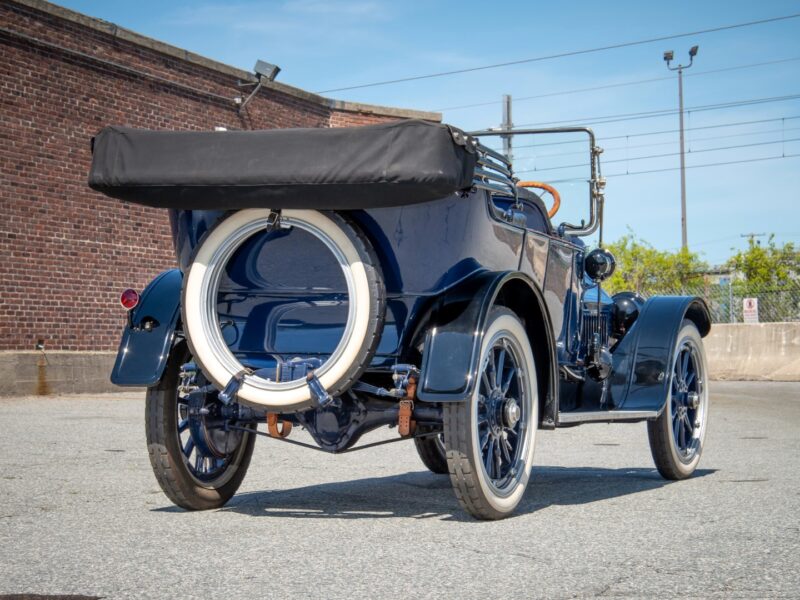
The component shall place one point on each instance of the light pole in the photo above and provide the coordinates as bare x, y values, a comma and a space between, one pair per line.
668, 56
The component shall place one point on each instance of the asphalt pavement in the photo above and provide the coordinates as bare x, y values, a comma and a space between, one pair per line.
82, 514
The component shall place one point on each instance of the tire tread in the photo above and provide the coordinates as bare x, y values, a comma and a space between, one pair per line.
430, 453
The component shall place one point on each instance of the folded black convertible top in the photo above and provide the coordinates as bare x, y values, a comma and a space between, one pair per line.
402, 162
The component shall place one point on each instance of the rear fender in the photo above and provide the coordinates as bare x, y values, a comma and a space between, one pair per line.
143, 354
455, 334
640, 376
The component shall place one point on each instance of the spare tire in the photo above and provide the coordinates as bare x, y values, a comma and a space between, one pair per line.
365, 310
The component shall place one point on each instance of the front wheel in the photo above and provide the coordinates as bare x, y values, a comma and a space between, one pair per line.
678, 434
192, 477
490, 438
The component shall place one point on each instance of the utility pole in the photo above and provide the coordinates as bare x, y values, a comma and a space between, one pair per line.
507, 125
751, 236
668, 56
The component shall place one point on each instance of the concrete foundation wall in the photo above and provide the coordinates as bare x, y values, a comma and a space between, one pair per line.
764, 351
38, 374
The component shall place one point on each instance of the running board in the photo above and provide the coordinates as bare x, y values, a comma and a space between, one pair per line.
605, 416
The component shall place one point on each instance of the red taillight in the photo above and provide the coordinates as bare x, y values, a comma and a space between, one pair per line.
129, 299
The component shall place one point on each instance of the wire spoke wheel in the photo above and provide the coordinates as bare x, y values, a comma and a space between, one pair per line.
500, 412
490, 438
685, 408
200, 469
209, 462
677, 436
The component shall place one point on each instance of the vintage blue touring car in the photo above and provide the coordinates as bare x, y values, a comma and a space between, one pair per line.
399, 275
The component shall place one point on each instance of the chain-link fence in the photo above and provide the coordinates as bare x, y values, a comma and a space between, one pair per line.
743, 302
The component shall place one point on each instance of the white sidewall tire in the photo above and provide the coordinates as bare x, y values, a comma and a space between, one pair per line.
506, 504
474, 489
212, 354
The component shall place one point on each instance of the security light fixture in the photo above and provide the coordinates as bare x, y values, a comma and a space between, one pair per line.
669, 55
265, 72
693, 51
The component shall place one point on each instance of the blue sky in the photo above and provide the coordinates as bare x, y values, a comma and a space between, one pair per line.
326, 45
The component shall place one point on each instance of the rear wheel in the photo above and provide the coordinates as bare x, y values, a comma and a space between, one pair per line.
431, 451
490, 438
192, 477
677, 436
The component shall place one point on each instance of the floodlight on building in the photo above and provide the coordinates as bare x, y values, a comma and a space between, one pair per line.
268, 70
264, 72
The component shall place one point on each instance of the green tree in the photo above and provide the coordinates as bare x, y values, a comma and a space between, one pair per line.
771, 274
768, 264
642, 268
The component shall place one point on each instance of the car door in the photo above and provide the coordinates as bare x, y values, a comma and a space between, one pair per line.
553, 263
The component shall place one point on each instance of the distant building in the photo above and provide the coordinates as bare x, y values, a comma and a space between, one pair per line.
722, 275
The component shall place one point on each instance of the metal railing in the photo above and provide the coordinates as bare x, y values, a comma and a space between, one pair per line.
494, 173
487, 179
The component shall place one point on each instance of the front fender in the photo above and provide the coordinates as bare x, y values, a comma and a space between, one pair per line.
642, 361
453, 341
142, 354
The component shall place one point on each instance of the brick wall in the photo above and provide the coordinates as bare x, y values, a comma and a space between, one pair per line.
65, 251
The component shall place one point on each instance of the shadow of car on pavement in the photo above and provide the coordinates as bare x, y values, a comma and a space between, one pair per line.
422, 494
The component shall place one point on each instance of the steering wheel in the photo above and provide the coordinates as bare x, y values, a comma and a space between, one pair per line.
548, 188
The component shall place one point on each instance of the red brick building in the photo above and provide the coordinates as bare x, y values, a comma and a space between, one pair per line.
66, 251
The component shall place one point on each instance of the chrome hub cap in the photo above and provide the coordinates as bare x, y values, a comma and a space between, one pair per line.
511, 412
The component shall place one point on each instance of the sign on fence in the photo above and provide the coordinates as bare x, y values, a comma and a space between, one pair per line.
750, 310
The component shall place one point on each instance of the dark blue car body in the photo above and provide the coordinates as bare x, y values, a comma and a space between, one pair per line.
444, 264
439, 299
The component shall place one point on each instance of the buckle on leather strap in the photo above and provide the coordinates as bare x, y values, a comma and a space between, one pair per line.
405, 424
272, 426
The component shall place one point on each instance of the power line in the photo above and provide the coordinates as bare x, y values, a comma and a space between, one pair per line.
629, 147
694, 140
619, 160
664, 131
716, 241
751, 236
717, 164
561, 54
729, 238
618, 85
663, 112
